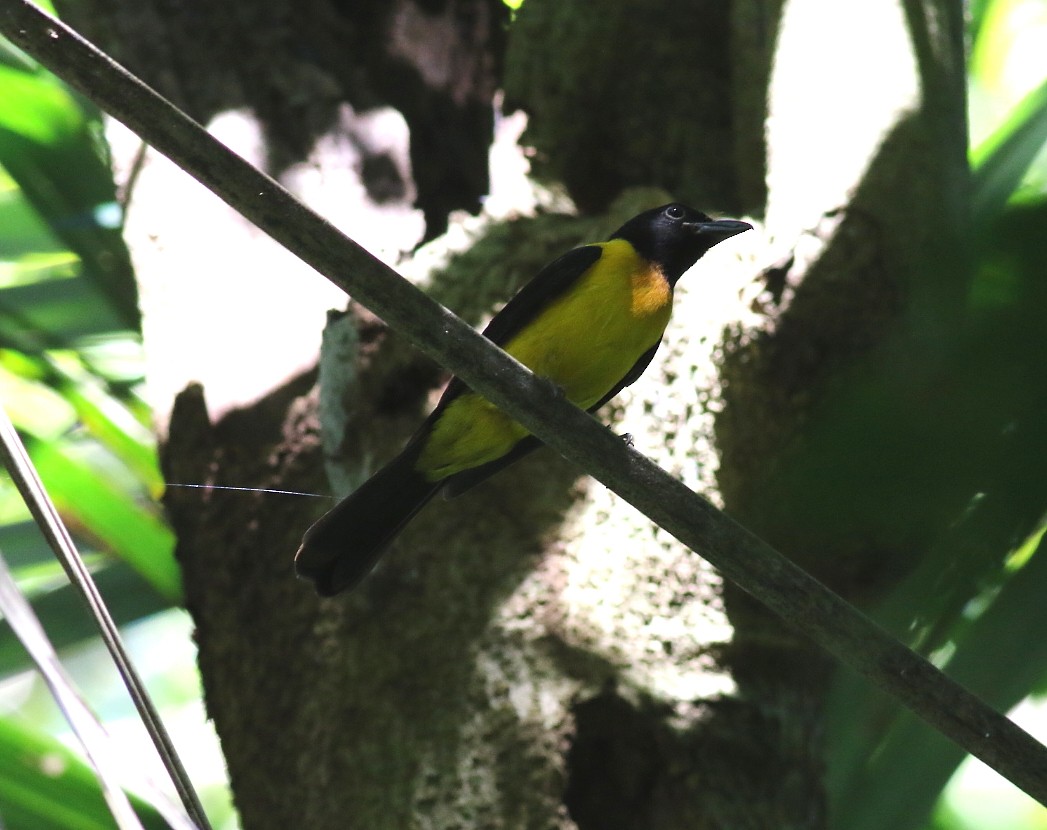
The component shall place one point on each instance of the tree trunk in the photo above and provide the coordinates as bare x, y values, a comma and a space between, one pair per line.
536, 654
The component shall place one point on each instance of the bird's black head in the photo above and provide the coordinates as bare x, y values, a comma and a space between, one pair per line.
676, 236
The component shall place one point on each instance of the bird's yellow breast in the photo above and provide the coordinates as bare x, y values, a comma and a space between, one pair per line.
585, 342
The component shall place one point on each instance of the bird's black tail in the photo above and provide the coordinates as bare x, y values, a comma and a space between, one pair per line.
342, 547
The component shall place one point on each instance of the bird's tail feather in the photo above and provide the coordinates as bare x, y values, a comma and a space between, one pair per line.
342, 547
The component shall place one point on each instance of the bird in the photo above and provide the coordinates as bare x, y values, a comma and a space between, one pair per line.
590, 322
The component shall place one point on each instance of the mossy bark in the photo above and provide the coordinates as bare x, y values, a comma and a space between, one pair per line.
535, 654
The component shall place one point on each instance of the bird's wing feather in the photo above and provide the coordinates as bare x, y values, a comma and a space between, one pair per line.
459, 483
550, 283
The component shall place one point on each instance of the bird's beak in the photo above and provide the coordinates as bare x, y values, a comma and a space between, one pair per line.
719, 230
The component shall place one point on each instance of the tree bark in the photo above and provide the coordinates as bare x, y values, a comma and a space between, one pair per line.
534, 654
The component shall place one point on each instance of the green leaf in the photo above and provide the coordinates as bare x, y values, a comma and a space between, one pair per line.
116, 430
60, 607
94, 506
1003, 159
24, 232
45, 786
76, 395
28, 402
896, 780
37, 107
49, 145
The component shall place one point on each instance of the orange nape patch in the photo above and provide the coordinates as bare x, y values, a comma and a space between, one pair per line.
651, 293
585, 341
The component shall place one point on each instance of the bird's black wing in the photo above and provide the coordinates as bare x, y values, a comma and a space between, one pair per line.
458, 483
548, 284
551, 282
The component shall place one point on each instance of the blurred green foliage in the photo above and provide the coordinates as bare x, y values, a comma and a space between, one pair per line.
70, 362
974, 604
44, 786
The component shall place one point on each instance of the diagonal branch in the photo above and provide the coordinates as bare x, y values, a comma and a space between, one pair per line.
739, 555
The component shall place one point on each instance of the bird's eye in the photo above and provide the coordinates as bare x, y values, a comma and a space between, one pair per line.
674, 212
